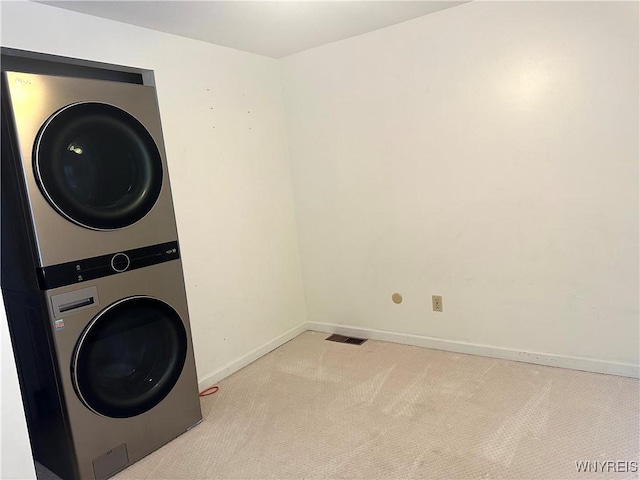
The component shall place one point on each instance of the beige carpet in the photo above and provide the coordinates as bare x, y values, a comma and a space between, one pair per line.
317, 409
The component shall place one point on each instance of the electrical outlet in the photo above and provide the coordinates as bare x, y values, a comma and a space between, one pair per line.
436, 300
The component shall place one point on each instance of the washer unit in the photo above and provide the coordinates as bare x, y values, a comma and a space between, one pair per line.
93, 162
91, 274
125, 369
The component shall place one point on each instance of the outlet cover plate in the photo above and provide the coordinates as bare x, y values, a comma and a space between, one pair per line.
436, 301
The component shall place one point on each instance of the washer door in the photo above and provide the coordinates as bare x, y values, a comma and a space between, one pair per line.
129, 357
98, 166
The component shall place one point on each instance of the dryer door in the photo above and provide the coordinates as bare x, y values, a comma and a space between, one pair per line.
97, 166
129, 357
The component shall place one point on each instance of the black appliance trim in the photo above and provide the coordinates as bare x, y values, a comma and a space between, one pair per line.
97, 267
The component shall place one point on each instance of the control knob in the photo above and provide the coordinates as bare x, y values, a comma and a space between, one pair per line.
120, 262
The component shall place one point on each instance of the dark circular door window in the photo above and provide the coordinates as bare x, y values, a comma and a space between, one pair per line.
129, 357
98, 166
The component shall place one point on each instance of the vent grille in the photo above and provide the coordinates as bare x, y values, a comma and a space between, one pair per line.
350, 340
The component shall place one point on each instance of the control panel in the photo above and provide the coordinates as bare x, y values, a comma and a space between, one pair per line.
96, 267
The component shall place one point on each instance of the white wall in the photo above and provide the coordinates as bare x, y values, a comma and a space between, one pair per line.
487, 153
229, 171
15, 452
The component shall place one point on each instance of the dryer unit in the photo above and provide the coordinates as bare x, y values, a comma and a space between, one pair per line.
92, 160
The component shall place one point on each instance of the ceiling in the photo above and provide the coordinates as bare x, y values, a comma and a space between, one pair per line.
272, 28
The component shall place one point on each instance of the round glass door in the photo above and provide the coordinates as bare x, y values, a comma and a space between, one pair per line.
98, 166
129, 357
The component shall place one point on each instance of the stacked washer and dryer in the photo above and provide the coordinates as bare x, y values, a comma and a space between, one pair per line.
91, 273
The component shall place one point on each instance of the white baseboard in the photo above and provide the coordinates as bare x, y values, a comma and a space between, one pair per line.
548, 359
214, 377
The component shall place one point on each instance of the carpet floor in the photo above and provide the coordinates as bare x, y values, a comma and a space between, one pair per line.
318, 409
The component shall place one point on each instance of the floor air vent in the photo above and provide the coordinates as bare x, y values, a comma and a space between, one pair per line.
343, 339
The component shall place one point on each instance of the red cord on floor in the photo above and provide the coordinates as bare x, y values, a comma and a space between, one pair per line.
209, 391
